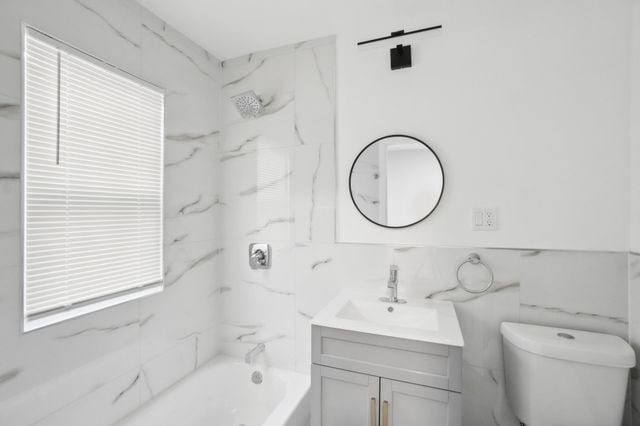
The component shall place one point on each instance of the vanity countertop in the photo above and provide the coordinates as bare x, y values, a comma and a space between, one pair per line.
423, 320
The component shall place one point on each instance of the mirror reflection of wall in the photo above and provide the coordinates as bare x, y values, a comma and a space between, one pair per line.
396, 181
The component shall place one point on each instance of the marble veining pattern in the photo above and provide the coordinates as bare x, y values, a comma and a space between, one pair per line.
177, 49
171, 280
197, 206
119, 33
246, 142
127, 389
619, 320
193, 153
257, 188
270, 222
272, 178
269, 289
9, 176
457, 294
5, 377
8, 110
191, 137
13, 56
98, 367
247, 75
107, 329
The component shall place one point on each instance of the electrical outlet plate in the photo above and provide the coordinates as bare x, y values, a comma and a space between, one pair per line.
484, 219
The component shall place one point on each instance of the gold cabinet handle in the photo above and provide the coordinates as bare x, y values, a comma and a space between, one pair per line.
385, 413
373, 412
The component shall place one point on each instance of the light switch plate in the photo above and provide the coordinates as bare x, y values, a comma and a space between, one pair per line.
484, 219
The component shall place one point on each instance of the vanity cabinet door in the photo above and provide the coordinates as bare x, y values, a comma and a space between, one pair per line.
343, 398
405, 404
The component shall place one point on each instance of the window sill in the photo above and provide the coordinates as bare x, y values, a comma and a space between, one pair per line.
47, 320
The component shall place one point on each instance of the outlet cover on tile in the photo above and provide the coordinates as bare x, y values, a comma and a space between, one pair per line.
484, 219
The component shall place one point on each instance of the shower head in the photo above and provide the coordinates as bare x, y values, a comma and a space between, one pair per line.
248, 104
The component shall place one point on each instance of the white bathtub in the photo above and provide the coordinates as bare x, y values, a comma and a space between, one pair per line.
221, 393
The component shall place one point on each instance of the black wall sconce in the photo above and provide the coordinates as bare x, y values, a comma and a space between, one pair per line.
400, 55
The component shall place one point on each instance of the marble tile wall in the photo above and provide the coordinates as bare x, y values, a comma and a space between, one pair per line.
278, 177
581, 290
96, 368
232, 181
278, 186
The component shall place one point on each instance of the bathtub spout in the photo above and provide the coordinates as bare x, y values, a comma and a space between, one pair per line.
250, 356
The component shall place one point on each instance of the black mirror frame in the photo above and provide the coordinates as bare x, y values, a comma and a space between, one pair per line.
395, 136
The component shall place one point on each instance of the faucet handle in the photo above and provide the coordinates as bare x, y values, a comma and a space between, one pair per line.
393, 272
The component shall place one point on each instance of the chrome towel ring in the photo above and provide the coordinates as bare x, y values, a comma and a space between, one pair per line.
474, 259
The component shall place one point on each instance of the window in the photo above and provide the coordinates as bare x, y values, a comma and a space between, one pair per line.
93, 183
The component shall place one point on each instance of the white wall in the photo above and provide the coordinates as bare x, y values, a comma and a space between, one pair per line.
527, 105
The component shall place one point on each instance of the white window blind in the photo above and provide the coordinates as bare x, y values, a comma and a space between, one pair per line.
93, 183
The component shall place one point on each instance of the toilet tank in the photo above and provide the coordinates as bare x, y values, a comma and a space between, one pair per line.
558, 376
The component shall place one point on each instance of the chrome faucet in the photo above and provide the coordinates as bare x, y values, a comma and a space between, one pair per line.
250, 357
392, 285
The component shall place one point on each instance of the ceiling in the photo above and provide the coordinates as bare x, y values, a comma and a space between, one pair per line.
232, 28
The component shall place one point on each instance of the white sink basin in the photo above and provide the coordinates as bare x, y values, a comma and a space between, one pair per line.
418, 319
396, 315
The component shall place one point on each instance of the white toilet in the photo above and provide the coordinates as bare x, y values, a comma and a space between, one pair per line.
565, 377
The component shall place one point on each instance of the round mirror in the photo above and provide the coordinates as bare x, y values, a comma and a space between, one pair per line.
396, 181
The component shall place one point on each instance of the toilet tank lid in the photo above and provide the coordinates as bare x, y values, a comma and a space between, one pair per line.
570, 345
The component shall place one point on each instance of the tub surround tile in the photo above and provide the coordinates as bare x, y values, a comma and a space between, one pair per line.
191, 211
239, 339
10, 134
116, 32
10, 163
269, 76
315, 87
278, 174
68, 345
278, 280
188, 307
208, 342
268, 131
112, 400
10, 72
312, 194
165, 37
175, 363
105, 361
10, 196
257, 203
269, 307
37, 403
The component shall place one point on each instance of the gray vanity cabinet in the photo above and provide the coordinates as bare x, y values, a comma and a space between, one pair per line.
406, 404
360, 379
344, 398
